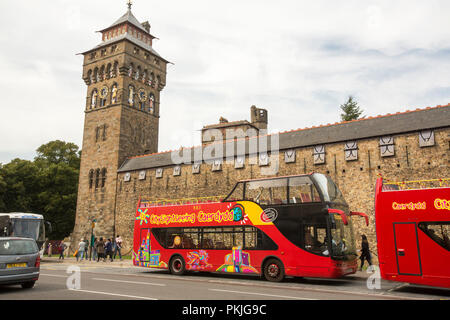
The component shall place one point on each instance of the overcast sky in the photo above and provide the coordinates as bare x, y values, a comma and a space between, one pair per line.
300, 60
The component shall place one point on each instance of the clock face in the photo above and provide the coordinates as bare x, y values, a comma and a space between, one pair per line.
104, 92
142, 95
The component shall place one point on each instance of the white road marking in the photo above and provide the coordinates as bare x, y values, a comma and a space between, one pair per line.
133, 282
113, 294
52, 275
262, 294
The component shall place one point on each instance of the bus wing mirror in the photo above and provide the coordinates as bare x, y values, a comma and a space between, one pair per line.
361, 214
50, 230
341, 213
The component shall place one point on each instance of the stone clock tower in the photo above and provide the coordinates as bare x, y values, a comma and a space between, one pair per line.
124, 77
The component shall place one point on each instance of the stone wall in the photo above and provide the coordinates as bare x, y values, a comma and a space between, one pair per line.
355, 178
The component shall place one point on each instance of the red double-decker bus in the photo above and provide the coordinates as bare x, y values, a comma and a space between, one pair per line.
413, 226
294, 225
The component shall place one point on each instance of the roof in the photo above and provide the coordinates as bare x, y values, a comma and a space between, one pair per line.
127, 17
130, 38
228, 124
382, 125
23, 215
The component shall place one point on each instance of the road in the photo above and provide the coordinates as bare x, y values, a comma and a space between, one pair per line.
121, 281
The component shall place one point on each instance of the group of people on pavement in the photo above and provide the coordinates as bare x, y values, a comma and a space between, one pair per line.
102, 249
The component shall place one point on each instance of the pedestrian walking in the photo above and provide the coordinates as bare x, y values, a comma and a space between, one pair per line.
81, 249
49, 251
118, 247
365, 252
100, 249
62, 248
109, 250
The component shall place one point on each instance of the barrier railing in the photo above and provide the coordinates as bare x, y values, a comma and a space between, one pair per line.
181, 201
416, 184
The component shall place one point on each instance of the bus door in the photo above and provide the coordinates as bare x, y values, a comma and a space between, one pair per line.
407, 249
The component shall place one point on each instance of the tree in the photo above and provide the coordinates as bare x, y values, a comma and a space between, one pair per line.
59, 167
48, 185
21, 180
351, 110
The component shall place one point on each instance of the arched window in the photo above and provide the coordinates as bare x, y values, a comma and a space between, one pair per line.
138, 73
109, 73
102, 73
115, 69
89, 76
97, 178
96, 77
150, 79
103, 177
144, 76
91, 178
130, 70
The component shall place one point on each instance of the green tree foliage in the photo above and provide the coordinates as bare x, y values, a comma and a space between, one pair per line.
351, 110
48, 185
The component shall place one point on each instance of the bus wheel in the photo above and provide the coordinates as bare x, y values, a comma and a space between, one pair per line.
177, 265
273, 270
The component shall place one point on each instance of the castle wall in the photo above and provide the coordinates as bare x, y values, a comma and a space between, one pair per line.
355, 178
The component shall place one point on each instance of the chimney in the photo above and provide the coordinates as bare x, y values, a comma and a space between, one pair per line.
146, 26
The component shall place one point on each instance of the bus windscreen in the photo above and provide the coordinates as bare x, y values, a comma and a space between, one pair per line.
28, 228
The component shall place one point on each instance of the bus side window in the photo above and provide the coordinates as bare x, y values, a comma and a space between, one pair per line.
302, 190
438, 232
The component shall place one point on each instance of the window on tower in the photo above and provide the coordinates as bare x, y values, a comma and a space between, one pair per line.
97, 178
91, 178
103, 177
104, 132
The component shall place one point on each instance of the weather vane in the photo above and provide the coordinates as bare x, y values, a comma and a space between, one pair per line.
129, 4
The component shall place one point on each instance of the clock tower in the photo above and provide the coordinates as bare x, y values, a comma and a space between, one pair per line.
124, 77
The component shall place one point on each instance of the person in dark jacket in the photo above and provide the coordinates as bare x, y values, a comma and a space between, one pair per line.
365, 252
100, 250
108, 250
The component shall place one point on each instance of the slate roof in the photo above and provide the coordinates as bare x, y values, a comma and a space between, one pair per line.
389, 124
127, 36
127, 17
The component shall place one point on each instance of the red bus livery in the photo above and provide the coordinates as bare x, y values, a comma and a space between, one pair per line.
412, 229
295, 225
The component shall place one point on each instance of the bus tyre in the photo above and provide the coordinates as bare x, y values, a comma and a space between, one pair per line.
274, 270
177, 265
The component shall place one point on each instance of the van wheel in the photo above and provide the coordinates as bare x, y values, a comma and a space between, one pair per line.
28, 285
177, 265
274, 270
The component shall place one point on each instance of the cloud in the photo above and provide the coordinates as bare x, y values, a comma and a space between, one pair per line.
298, 59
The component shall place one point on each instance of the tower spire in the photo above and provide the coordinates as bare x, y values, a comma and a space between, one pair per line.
129, 4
